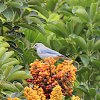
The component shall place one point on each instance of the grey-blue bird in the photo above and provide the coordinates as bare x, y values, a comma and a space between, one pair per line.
45, 52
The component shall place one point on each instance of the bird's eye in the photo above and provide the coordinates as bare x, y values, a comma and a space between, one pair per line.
35, 44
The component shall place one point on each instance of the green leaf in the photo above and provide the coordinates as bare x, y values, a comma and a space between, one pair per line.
2, 51
2, 7
10, 59
17, 49
98, 78
90, 44
78, 28
30, 35
7, 55
8, 86
15, 68
7, 70
26, 42
81, 42
54, 17
92, 92
76, 19
65, 11
8, 24
1, 71
98, 96
63, 42
96, 31
87, 2
1, 38
12, 43
17, 14
73, 49
93, 9
39, 28
33, 13
9, 64
97, 16
34, 2
73, 35
4, 44
96, 45
88, 33
35, 20
82, 70
96, 62
63, 50
8, 13
18, 75
41, 10
12, 4
20, 4
53, 3
81, 13
84, 59
25, 13
19, 86
31, 20
39, 38
62, 28
83, 89
28, 56
64, 46
55, 45
2, 76
27, 26
70, 27
18, 36
54, 29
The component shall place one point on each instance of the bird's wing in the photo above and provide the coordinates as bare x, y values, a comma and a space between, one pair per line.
50, 51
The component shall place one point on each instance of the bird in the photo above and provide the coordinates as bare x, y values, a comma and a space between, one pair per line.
45, 52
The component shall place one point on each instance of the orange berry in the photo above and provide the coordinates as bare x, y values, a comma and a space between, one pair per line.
51, 57
37, 60
48, 57
45, 59
31, 64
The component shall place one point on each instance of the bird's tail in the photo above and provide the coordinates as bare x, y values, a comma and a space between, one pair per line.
64, 57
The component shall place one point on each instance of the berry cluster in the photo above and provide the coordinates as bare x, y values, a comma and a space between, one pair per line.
47, 75
56, 93
34, 94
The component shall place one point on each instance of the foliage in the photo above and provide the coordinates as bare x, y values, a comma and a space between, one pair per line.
17, 15
9, 71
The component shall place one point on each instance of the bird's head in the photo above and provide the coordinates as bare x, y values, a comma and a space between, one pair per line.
36, 45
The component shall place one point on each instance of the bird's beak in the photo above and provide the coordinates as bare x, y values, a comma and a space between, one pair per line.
32, 47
